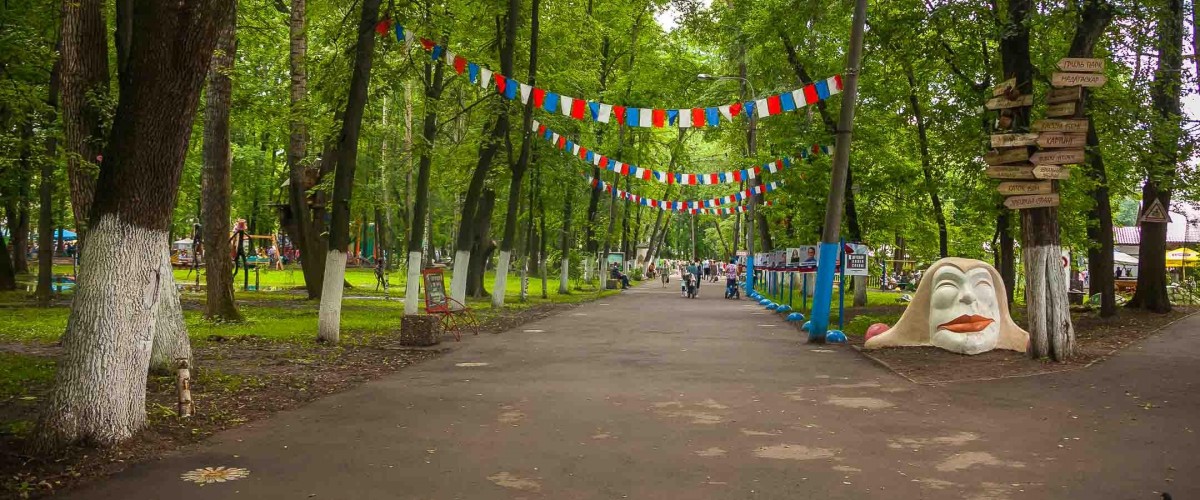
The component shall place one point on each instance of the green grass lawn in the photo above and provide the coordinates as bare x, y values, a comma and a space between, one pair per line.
281, 314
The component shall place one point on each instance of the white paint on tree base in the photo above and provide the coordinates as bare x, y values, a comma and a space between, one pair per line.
458, 280
412, 288
170, 335
564, 276
329, 318
1048, 314
501, 278
100, 386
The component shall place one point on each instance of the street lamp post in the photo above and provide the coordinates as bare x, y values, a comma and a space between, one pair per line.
752, 151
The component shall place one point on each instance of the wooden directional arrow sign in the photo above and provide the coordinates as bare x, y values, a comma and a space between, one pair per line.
1080, 79
1011, 172
1061, 140
1057, 157
1004, 87
1061, 109
1031, 201
1009, 140
1064, 95
1081, 65
1051, 172
1011, 188
1006, 156
1004, 102
1060, 126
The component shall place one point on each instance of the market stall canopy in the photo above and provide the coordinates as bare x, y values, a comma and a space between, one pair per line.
1124, 258
1183, 257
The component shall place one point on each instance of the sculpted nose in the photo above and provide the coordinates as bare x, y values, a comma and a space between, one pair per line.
967, 297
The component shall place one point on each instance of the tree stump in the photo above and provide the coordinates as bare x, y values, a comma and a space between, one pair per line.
420, 330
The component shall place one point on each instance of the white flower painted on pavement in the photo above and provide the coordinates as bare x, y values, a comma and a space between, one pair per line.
208, 475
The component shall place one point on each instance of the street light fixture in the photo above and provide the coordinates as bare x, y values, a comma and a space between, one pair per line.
752, 150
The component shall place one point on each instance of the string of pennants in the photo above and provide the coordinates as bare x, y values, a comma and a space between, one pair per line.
582, 109
710, 206
667, 177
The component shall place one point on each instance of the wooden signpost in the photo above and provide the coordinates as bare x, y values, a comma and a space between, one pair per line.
1011, 172
1000, 157
1005, 102
1081, 65
1009, 188
1031, 201
1069, 94
1005, 87
1057, 157
1060, 140
1079, 79
1061, 109
1051, 172
1010, 140
1060, 137
1060, 126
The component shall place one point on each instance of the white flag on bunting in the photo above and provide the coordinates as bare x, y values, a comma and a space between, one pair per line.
605, 113
760, 106
525, 90
566, 104
485, 77
685, 118
725, 112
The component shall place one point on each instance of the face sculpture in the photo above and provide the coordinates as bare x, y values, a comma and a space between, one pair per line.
960, 307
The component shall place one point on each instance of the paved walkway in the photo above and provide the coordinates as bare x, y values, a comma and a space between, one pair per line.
647, 395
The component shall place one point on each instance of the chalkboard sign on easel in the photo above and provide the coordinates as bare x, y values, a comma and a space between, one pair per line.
435, 291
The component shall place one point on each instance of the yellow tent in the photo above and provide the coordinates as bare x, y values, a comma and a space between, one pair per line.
1183, 257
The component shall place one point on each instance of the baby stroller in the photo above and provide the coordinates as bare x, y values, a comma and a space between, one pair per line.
732, 290
689, 285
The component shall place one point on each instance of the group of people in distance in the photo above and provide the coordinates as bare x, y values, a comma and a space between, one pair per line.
708, 270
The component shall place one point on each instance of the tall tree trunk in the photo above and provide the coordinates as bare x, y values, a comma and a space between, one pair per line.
927, 163
434, 81
304, 235
483, 245
383, 215
100, 386
18, 205
1094, 19
408, 167
518, 169
1049, 318
46, 193
467, 236
1162, 162
8, 280
215, 181
84, 95
564, 276
329, 320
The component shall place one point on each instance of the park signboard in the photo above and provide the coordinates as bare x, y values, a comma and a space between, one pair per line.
435, 291
1031, 201
1003, 102
1001, 157
1058, 125
1019, 188
1061, 109
1057, 157
1010, 140
1081, 64
1055, 172
1011, 172
1078, 79
1060, 140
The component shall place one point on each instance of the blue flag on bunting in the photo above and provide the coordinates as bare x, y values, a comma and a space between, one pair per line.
786, 102
595, 109
712, 115
550, 104
822, 89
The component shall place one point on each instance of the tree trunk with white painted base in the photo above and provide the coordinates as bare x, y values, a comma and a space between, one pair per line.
170, 333
100, 387
1048, 315
99, 395
412, 288
501, 278
329, 318
330, 315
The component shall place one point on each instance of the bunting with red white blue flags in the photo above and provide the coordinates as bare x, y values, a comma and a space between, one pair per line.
711, 205
595, 111
667, 177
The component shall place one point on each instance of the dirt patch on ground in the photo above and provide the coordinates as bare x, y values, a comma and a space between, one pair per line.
1096, 338
238, 380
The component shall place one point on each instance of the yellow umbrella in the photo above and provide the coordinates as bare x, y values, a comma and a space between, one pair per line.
1183, 257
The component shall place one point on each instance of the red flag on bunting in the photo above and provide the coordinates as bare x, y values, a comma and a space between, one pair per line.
698, 117
810, 94
383, 26
659, 117
618, 113
577, 108
773, 105
539, 97
427, 43
735, 109
500, 82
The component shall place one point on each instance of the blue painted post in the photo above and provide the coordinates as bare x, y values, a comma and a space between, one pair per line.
750, 270
842, 287
823, 295
791, 287
804, 294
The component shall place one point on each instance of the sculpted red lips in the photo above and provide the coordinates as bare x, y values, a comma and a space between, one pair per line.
967, 323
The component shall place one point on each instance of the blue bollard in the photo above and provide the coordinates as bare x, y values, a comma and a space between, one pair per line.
784, 308
806, 326
795, 317
835, 337
772, 307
